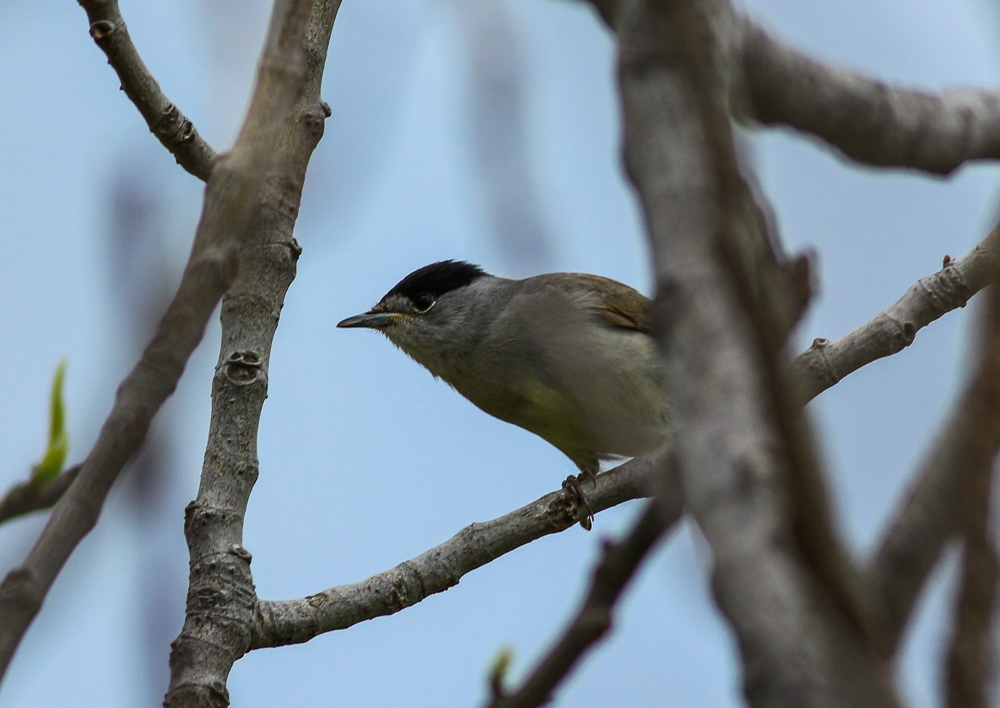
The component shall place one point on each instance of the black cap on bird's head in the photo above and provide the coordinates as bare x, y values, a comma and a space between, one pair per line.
436, 279
417, 293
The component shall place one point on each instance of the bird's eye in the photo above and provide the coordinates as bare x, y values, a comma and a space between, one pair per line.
423, 302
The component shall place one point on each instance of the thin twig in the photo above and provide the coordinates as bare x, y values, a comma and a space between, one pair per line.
293, 621
971, 665
232, 198
26, 497
165, 121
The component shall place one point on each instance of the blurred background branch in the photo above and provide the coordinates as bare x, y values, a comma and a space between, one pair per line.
950, 491
26, 497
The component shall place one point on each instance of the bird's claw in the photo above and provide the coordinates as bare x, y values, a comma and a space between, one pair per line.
573, 488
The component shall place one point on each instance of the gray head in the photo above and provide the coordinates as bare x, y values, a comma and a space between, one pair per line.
430, 314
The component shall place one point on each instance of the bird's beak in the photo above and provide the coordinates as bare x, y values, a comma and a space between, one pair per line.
372, 320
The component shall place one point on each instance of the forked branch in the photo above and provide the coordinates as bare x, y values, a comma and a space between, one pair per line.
231, 201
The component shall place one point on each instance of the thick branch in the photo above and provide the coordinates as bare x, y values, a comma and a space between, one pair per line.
892, 330
25, 497
748, 470
867, 120
294, 621
165, 121
231, 201
221, 597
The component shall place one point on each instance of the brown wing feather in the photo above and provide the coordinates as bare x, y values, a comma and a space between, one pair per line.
616, 303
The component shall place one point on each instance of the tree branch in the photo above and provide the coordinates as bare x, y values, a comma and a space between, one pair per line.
26, 497
618, 565
165, 121
221, 596
821, 367
749, 473
892, 330
935, 509
972, 656
232, 198
971, 666
278, 623
867, 120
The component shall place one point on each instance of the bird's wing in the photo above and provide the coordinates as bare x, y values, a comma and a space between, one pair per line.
615, 303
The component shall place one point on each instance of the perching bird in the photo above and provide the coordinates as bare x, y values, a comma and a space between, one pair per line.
568, 356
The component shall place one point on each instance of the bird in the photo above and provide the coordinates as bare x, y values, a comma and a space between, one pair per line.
567, 356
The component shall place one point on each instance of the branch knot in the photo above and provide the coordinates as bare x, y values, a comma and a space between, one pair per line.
243, 367
101, 31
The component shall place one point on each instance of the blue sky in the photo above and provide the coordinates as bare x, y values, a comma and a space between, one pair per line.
365, 459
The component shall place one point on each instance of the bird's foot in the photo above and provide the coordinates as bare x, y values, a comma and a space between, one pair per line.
587, 475
573, 487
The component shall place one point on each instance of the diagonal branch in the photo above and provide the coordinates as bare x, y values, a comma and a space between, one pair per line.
232, 198
165, 121
866, 119
892, 330
618, 565
936, 506
294, 621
